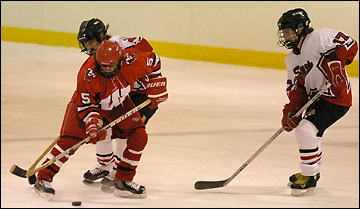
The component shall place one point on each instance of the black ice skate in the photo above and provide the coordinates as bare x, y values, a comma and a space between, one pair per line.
44, 189
92, 175
305, 185
129, 189
296, 176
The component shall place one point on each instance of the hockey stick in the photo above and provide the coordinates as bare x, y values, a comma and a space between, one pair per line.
30, 172
216, 184
16, 170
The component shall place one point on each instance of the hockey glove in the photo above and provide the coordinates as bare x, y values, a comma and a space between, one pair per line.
156, 91
289, 121
93, 126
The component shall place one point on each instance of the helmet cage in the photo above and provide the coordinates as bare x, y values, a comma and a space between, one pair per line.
286, 42
89, 29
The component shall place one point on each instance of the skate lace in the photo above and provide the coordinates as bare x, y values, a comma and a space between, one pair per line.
302, 180
95, 171
298, 175
132, 185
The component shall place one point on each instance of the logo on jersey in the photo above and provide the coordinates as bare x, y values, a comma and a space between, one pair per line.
156, 84
115, 99
130, 58
303, 70
89, 73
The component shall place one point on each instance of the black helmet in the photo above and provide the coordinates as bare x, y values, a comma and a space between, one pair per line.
89, 29
298, 21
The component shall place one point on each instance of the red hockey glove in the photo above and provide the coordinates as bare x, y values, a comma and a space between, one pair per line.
288, 121
336, 73
93, 126
156, 91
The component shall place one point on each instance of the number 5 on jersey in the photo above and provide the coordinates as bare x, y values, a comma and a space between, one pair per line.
115, 99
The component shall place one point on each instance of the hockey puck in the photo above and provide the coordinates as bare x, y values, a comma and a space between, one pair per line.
76, 203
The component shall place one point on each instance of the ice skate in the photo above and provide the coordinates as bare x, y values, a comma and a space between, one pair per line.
305, 185
108, 182
296, 176
92, 175
129, 189
44, 189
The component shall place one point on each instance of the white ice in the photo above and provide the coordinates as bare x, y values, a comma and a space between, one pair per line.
216, 117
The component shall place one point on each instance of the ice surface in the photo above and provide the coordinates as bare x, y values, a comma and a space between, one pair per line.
216, 117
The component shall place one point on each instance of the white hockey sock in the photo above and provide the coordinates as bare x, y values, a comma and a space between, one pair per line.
104, 152
309, 148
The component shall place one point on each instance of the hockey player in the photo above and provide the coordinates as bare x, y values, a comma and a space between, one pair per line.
91, 33
102, 95
317, 57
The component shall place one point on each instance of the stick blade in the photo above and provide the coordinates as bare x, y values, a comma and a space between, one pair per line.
16, 170
199, 185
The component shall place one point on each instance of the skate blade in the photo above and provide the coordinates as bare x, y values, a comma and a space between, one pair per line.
44, 195
127, 194
91, 183
303, 192
107, 189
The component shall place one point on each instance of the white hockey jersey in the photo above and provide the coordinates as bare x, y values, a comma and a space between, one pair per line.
308, 72
127, 42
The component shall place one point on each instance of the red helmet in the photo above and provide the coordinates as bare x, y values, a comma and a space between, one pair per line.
108, 53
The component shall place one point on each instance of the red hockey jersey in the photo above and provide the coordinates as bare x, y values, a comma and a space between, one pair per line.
142, 45
96, 94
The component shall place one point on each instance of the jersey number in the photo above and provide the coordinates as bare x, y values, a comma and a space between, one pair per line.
85, 98
340, 38
149, 61
343, 39
290, 85
134, 40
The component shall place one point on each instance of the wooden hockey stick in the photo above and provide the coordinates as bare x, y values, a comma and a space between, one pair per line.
199, 185
16, 170
32, 171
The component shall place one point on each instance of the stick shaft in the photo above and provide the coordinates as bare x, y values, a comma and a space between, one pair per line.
44, 153
252, 157
313, 99
21, 172
222, 183
30, 172
298, 113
